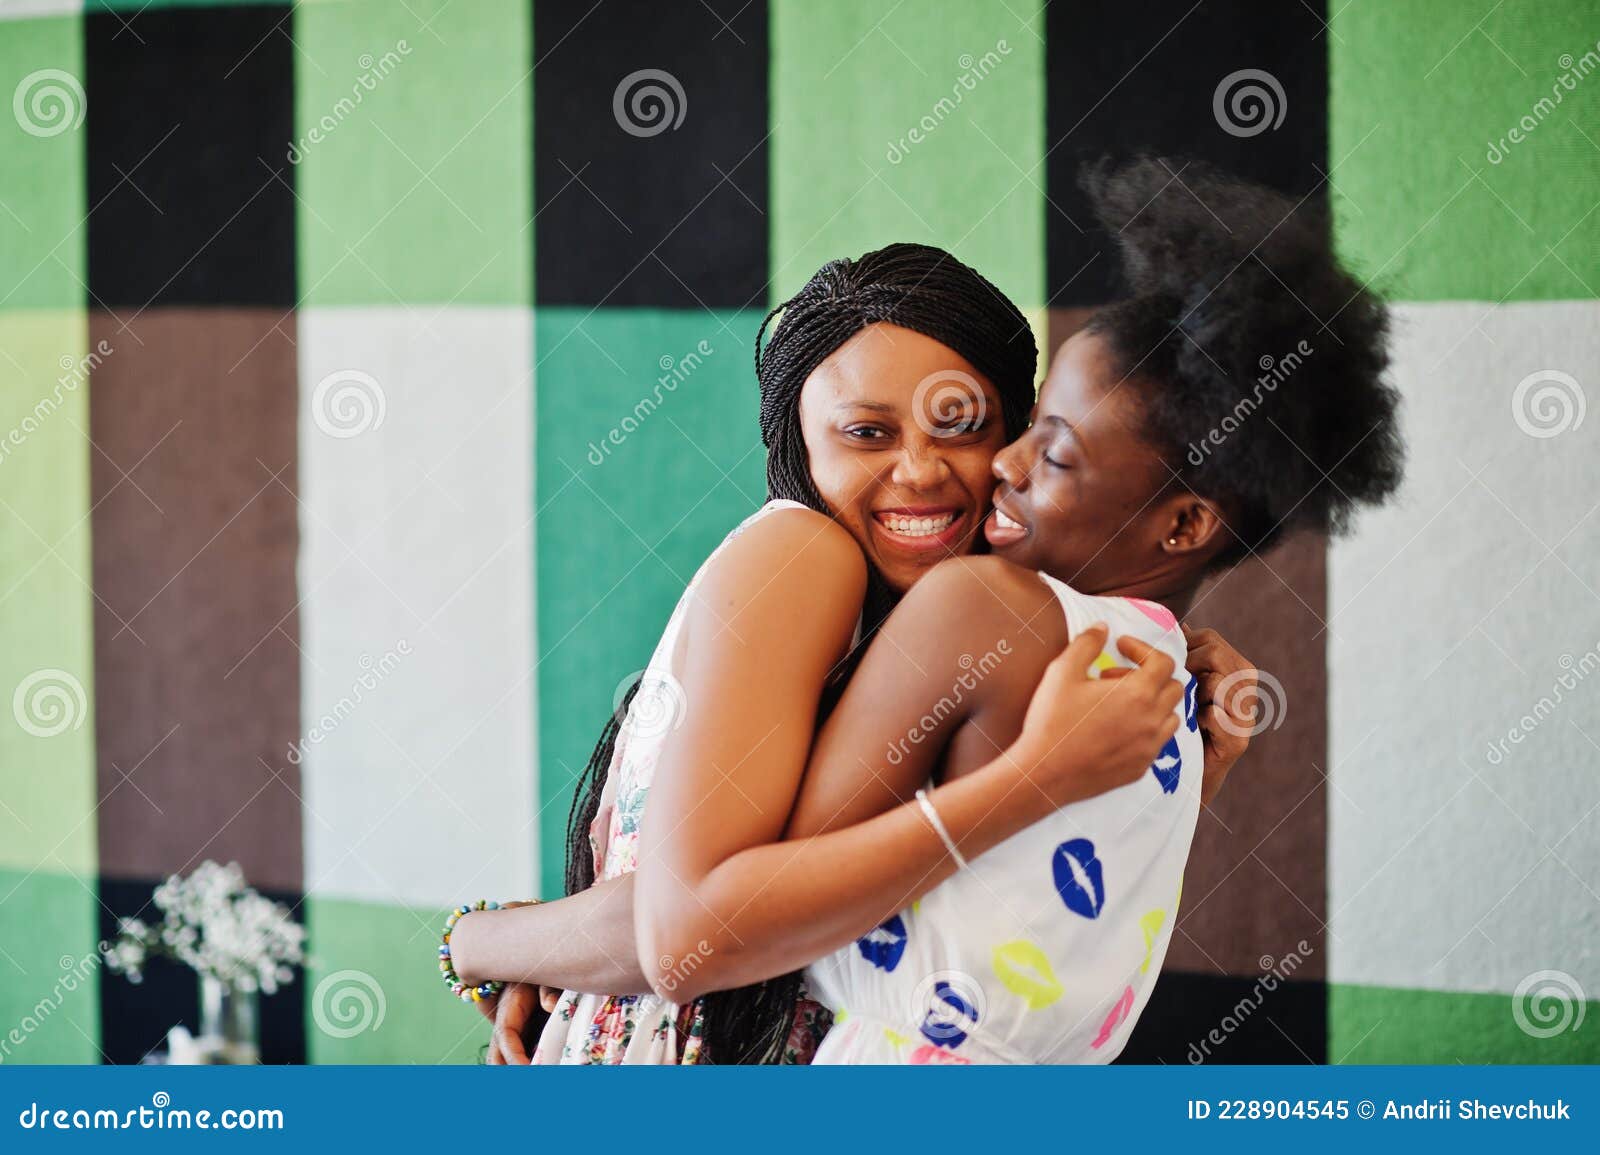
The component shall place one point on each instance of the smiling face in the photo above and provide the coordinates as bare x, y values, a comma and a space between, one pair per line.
901, 434
1086, 498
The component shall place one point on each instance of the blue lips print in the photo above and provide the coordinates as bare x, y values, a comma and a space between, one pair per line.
1189, 718
1078, 877
883, 945
1167, 765
949, 1017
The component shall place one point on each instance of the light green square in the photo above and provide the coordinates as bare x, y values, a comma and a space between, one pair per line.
374, 993
1433, 200
647, 452
49, 969
43, 137
854, 82
413, 152
1369, 1025
47, 755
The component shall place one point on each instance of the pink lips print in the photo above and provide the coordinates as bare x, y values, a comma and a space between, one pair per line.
1115, 1019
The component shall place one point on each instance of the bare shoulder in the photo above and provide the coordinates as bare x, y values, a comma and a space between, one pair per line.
980, 599
791, 557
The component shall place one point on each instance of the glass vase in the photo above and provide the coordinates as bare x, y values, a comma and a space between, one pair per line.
230, 1030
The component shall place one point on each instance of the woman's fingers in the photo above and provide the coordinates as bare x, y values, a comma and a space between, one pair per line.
549, 998
1074, 661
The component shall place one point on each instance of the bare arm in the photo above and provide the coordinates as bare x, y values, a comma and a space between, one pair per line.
968, 644
581, 943
716, 882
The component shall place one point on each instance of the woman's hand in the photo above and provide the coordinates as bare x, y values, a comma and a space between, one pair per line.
1225, 704
512, 1013
1084, 736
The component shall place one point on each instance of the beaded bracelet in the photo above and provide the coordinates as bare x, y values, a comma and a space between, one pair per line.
448, 969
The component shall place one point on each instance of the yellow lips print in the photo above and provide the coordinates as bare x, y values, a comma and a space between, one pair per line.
1150, 922
1023, 969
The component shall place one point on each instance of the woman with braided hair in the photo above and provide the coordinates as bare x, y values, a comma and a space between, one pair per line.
887, 387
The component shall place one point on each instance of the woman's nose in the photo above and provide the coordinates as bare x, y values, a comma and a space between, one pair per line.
920, 467
1010, 467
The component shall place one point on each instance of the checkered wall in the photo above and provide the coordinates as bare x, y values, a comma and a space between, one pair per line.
330, 518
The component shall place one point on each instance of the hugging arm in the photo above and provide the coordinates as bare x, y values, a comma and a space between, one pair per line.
716, 882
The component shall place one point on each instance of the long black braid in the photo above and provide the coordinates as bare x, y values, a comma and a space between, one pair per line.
916, 287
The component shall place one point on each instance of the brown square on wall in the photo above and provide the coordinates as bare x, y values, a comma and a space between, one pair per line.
195, 527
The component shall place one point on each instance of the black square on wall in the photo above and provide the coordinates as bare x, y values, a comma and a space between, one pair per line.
1126, 77
189, 113
650, 158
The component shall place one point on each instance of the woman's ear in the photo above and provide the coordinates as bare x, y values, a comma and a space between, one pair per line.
1193, 525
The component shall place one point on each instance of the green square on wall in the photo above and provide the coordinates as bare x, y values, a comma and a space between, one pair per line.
1435, 196
908, 122
647, 452
43, 137
413, 152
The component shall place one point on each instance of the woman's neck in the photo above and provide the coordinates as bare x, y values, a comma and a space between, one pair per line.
1176, 593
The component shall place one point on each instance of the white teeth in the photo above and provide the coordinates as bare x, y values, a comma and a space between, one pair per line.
1004, 522
918, 526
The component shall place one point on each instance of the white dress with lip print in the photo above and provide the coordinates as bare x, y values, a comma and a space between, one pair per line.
1046, 949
